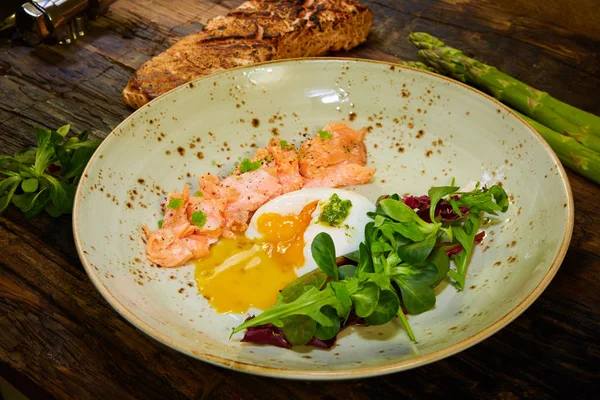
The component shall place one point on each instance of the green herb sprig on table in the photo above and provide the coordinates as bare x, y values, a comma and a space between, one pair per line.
402, 259
45, 177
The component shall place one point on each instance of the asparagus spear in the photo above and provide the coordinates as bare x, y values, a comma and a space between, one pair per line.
570, 152
420, 65
561, 117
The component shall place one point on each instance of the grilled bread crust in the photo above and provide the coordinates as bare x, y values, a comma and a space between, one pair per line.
256, 31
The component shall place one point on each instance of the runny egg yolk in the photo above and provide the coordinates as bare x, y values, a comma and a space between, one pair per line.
240, 273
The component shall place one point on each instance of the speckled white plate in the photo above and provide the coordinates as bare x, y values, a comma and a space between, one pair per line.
424, 130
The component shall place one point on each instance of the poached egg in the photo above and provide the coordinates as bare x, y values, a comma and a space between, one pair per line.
249, 270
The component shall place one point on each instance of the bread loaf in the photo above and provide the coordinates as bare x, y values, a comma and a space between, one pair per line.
256, 31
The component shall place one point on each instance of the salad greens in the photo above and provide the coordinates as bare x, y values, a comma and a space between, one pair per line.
405, 254
45, 177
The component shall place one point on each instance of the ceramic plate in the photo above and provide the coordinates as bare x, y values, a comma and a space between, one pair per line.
424, 130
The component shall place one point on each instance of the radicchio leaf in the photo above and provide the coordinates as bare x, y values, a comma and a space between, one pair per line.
421, 205
269, 334
458, 248
266, 334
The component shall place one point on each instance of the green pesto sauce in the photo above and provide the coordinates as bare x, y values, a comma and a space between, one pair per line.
336, 211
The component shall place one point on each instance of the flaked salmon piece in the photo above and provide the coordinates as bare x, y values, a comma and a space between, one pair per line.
341, 175
165, 248
213, 209
286, 161
345, 146
262, 154
265, 160
175, 217
211, 188
254, 188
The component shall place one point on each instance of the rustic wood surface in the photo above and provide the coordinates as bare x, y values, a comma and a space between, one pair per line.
60, 339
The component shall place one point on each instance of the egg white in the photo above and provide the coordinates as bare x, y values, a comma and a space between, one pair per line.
346, 238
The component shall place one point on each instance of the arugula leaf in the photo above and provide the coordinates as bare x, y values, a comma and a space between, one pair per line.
487, 200
500, 196
344, 305
160, 223
309, 304
465, 235
436, 194
293, 290
323, 252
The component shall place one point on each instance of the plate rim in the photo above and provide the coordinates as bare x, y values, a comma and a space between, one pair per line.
362, 372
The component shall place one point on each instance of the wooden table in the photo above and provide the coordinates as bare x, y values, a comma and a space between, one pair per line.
60, 339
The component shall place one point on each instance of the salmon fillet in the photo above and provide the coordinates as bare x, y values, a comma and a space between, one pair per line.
256, 31
176, 242
335, 157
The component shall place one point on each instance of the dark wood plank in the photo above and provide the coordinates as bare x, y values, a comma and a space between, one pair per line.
58, 334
